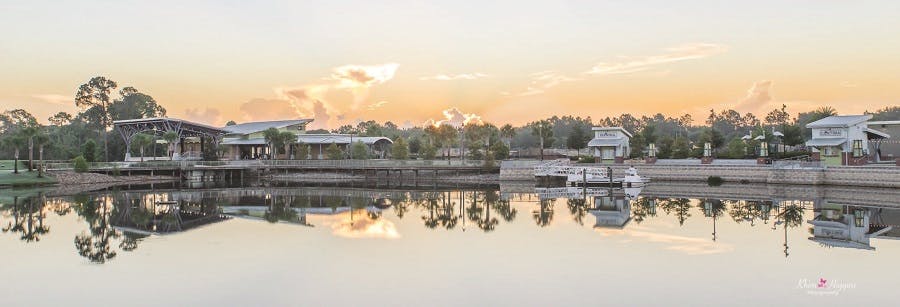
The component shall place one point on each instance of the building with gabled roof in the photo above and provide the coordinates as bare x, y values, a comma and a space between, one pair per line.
844, 140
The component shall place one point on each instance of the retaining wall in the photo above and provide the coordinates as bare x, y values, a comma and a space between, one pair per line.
868, 176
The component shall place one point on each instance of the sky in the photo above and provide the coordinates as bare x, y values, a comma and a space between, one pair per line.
415, 62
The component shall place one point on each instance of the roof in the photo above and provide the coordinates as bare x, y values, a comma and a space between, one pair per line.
611, 128
884, 122
251, 127
877, 134
605, 142
839, 121
186, 128
339, 139
825, 142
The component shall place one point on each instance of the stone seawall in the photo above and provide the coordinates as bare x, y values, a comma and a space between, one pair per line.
886, 177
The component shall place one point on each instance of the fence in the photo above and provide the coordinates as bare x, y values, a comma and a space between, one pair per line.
274, 163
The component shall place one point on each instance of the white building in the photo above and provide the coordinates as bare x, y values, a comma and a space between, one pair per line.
610, 144
843, 140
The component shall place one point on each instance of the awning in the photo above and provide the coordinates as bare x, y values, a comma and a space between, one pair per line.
875, 134
605, 142
825, 142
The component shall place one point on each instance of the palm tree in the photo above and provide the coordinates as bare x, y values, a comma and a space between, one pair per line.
40, 140
287, 139
28, 133
507, 132
272, 136
141, 140
16, 142
170, 137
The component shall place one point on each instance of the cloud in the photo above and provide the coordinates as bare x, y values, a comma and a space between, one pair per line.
269, 109
356, 76
312, 100
456, 118
542, 81
364, 227
55, 99
448, 77
631, 64
759, 98
211, 116
376, 105
320, 116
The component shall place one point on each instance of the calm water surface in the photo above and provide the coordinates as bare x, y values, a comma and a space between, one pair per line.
668, 243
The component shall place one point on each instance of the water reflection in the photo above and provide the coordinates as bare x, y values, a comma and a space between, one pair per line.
117, 221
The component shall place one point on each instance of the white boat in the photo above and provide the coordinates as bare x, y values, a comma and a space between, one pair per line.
578, 176
632, 179
589, 175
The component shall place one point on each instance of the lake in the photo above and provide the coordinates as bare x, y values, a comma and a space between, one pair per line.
513, 244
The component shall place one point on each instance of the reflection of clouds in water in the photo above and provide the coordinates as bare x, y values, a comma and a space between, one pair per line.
687, 245
363, 226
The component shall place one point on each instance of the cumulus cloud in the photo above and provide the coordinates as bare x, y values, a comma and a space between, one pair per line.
355, 76
759, 97
207, 115
321, 119
449, 77
456, 118
631, 64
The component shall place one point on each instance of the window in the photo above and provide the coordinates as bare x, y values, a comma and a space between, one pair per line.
857, 148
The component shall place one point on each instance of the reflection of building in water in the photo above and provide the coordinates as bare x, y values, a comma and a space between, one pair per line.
613, 211
148, 215
846, 226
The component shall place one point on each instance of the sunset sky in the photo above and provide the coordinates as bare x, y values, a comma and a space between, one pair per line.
408, 62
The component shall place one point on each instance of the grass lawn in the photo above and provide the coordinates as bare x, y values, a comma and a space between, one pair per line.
8, 165
23, 178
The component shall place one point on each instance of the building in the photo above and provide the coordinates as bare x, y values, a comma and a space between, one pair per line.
246, 141
377, 146
886, 149
610, 144
844, 140
243, 141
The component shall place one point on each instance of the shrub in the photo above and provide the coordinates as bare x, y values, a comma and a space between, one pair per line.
585, 159
714, 181
489, 162
80, 164
428, 152
89, 151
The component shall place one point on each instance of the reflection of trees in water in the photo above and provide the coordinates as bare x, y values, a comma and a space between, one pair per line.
279, 209
431, 219
642, 208
791, 215
544, 215
577, 209
95, 244
749, 211
679, 206
447, 213
28, 218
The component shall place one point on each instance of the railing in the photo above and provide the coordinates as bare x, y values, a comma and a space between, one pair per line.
373, 163
274, 163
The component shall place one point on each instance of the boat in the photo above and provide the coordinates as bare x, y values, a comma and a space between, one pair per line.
632, 179
596, 176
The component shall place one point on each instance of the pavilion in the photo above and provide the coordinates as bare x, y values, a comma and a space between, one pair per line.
192, 137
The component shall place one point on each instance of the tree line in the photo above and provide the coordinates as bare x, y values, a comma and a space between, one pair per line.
88, 133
